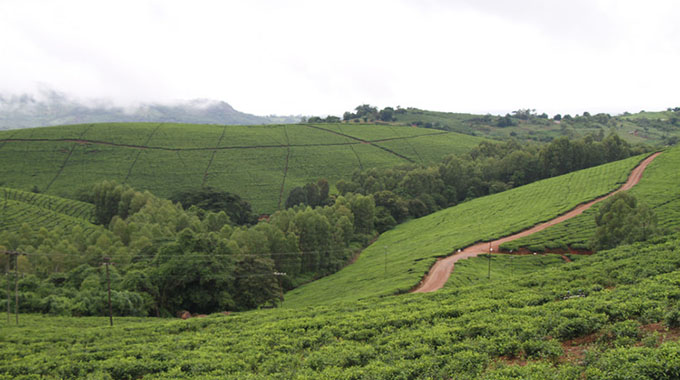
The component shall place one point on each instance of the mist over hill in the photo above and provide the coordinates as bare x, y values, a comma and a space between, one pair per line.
49, 107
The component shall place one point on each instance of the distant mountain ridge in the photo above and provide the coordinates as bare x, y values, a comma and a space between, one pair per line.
50, 108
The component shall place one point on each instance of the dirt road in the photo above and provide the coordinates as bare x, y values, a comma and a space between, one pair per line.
441, 270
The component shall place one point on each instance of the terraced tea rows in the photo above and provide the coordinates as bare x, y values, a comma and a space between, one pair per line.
609, 316
38, 210
399, 258
260, 163
658, 188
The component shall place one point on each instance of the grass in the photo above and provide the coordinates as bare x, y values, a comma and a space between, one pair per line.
658, 188
616, 308
400, 257
251, 161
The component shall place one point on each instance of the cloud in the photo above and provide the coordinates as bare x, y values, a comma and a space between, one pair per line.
318, 57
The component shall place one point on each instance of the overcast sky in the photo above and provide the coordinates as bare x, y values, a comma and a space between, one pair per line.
326, 57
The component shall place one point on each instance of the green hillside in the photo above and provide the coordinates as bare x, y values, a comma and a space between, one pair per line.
400, 257
614, 315
644, 127
259, 163
658, 188
18, 207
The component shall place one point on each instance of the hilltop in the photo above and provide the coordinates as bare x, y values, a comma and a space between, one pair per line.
651, 128
259, 163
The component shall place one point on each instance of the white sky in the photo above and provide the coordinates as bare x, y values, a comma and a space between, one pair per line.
323, 57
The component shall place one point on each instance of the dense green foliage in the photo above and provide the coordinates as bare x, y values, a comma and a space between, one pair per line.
259, 163
658, 189
167, 258
601, 317
414, 191
238, 210
645, 127
622, 219
400, 257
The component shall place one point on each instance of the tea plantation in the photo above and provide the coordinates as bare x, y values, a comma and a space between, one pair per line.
259, 163
400, 257
658, 189
18, 207
614, 315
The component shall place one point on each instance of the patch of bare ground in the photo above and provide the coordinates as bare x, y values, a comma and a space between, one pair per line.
666, 334
575, 349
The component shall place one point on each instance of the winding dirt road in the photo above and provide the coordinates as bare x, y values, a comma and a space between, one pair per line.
441, 270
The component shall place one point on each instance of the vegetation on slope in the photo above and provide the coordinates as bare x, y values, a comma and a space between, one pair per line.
19, 207
652, 128
168, 259
414, 191
657, 189
400, 257
614, 315
259, 163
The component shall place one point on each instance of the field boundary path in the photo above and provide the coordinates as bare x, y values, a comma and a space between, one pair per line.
148, 139
441, 270
357, 141
371, 142
212, 157
285, 168
68, 157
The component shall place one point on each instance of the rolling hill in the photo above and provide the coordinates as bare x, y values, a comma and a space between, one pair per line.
613, 315
658, 189
259, 163
652, 128
400, 257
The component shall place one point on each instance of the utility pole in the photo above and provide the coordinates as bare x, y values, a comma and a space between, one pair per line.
14, 254
385, 261
490, 250
8, 308
16, 286
108, 285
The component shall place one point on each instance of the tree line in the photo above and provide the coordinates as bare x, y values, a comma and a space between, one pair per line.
205, 252
414, 191
167, 258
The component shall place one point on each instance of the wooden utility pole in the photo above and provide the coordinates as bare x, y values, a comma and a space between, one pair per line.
108, 285
8, 307
490, 249
385, 262
16, 286
15, 254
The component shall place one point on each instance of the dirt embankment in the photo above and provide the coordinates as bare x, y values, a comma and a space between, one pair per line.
441, 270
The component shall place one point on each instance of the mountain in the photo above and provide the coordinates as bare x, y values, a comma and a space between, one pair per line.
54, 108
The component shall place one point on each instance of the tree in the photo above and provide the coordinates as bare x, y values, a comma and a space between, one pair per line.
363, 208
387, 114
255, 283
505, 121
297, 196
622, 219
237, 209
365, 110
194, 273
